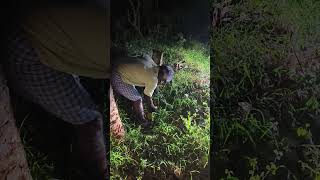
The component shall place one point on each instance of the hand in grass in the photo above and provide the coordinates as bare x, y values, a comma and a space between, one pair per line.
153, 108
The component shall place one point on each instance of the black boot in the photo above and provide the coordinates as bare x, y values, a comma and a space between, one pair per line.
151, 106
139, 113
91, 150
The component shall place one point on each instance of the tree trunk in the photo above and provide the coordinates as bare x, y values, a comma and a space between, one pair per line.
116, 127
13, 163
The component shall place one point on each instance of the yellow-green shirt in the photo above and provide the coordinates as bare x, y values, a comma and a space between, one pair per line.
141, 72
71, 38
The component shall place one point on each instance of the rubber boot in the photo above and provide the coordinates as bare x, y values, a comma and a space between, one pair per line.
151, 106
91, 150
139, 113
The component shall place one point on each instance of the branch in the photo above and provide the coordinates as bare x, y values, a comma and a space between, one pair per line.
134, 16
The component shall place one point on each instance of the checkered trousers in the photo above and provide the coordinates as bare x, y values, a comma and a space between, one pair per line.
126, 90
58, 93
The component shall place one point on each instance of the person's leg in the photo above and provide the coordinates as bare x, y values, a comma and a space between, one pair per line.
126, 90
89, 142
62, 95
131, 93
138, 110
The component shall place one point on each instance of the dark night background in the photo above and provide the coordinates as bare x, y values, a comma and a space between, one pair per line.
186, 16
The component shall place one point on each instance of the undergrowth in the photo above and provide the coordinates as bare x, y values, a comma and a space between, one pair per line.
265, 80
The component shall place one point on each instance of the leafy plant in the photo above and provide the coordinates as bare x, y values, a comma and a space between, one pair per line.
265, 92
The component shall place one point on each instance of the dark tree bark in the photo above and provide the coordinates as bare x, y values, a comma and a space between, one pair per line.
13, 163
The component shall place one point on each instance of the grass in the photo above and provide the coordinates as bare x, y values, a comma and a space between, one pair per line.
178, 145
40, 166
265, 92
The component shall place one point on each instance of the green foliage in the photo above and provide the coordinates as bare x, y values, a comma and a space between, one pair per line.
40, 167
39, 164
261, 105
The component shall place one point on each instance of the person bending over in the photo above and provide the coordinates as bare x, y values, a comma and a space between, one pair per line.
129, 72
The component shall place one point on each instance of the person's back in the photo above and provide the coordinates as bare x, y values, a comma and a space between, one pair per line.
138, 71
71, 37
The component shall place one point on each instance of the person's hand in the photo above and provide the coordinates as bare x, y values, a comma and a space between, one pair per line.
153, 108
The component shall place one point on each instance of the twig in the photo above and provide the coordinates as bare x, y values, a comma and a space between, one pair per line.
295, 54
134, 16
24, 119
219, 12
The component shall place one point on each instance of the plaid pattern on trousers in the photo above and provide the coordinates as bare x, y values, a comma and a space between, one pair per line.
58, 93
126, 90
